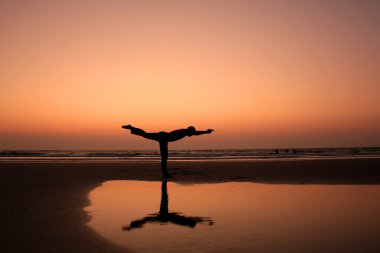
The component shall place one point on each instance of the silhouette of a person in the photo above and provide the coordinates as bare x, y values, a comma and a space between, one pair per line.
164, 216
164, 138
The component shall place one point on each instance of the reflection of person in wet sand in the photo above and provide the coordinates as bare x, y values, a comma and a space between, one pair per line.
164, 216
163, 138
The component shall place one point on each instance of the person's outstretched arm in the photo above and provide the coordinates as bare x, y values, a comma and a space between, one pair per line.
209, 131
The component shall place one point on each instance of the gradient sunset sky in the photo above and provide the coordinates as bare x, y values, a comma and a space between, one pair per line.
263, 74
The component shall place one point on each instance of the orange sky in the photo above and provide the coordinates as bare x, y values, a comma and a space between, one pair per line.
263, 74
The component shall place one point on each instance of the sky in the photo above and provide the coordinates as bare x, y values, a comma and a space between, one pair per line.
262, 74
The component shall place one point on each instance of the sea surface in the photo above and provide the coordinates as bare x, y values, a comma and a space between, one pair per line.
210, 154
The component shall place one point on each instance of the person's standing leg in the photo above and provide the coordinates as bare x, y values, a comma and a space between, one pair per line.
164, 157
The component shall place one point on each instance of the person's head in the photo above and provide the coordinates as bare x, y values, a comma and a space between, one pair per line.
191, 130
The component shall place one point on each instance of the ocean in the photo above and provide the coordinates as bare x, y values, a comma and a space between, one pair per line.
212, 154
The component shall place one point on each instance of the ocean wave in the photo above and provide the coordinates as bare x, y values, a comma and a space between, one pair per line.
192, 154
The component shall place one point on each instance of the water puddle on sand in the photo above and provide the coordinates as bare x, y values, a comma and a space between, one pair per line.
237, 217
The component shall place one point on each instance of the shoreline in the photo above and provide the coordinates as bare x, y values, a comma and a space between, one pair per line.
43, 202
179, 159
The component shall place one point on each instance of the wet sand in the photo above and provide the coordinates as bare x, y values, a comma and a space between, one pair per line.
42, 202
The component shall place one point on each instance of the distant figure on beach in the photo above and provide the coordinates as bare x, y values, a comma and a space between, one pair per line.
164, 138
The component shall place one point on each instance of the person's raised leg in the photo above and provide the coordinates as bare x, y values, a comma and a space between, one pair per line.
135, 130
142, 133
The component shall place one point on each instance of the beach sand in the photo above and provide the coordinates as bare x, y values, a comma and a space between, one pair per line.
42, 202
